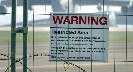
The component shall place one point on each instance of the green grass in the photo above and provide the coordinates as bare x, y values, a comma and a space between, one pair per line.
120, 36
45, 37
5, 36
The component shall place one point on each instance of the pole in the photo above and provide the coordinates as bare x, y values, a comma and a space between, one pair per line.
13, 36
25, 18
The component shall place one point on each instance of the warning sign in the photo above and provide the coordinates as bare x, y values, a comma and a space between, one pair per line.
79, 37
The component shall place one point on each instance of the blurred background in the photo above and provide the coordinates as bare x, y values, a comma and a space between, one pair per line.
114, 7
120, 33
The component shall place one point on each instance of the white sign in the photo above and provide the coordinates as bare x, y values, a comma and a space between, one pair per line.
79, 37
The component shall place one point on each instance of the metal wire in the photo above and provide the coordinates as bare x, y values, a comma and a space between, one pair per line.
8, 56
126, 37
79, 36
68, 31
33, 40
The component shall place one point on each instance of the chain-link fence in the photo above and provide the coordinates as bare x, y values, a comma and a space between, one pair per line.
39, 36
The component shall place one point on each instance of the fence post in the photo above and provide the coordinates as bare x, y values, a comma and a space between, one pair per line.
25, 21
13, 36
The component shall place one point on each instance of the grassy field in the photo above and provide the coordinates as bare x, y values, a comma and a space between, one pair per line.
45, 37
5, 36
121, 36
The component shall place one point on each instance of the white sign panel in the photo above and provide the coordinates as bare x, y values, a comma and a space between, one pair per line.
79, 37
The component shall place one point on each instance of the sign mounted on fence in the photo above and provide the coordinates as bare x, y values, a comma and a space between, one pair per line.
79, 37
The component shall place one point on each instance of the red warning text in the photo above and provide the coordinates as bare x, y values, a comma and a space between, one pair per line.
80, 20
